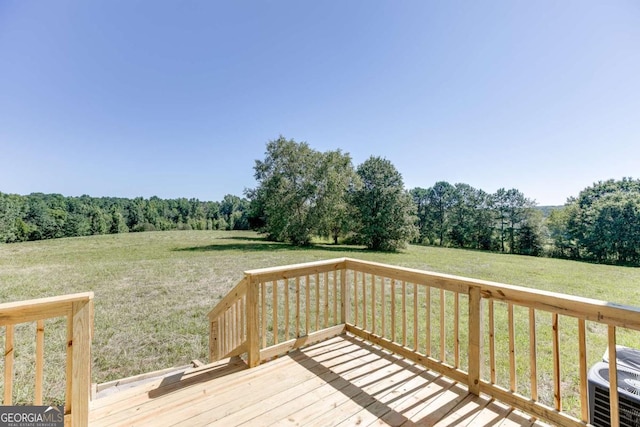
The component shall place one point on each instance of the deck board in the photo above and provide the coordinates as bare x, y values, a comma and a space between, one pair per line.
343, 381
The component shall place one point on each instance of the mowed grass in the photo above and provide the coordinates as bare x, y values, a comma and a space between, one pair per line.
154, 290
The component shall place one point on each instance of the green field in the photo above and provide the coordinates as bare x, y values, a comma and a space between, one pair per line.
153, 290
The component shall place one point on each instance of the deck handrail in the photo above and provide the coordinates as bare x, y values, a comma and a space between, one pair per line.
78, 309
450, 324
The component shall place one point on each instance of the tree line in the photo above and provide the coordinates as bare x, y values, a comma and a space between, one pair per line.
302, 193
47, 216
602, 224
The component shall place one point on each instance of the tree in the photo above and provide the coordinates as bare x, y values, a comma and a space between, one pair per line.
529, 236
420, 200
439, 202
510, 207
463, 207
384, 210
483, 222
118, 224
233, 210
301, 193
9, 219
97, 223
604, 221
334, 178
559, 225
287, 190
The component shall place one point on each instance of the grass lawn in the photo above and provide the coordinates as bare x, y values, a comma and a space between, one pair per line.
153, 290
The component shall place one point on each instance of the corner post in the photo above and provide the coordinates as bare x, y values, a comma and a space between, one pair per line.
252, 322
82, 316
475, 322
214, 352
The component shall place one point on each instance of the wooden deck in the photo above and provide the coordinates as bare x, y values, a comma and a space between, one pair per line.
342, 381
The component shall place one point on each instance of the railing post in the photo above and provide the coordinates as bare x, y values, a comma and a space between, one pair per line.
82, 315
345, 315
614, 403
214, 353
475, 322
253, 344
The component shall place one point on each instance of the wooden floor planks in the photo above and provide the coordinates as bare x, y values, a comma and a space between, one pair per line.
343, 381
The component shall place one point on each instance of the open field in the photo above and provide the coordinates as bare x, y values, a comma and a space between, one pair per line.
153, 290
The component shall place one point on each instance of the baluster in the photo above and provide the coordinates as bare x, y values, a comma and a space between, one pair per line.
307, 290
233, 335
404, 313
427, 349
345, 304
492, 343
373, 304
243, 317
39, 361
317, 301
415, 317
298, 307
263, 298
512, 350
557, 396
533, 360
456, 329
364, 301
335, 297
8, 364
393, 310
326, 299
383, 290
274, 286
287, 282
355, 296
582, 345
443, 337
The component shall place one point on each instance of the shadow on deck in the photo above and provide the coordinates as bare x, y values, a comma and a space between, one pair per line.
342, 381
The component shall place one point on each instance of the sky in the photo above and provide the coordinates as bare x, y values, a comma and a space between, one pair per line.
179, 98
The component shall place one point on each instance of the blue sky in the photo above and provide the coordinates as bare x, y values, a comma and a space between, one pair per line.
177, 99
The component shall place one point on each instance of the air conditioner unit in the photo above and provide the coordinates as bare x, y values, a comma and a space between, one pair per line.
628, 396
626, 357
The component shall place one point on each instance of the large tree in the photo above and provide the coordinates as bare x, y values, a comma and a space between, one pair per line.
511, 209
10, 218
464, 204
384, 210
420, 200
334, 178
440, 200
287, 190
604, 221
301, 192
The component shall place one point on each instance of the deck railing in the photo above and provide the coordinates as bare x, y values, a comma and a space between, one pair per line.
509, 342
78, 310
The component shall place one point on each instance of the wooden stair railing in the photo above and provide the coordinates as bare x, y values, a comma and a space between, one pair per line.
506, 341
228, 324
274, 310
78, 310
